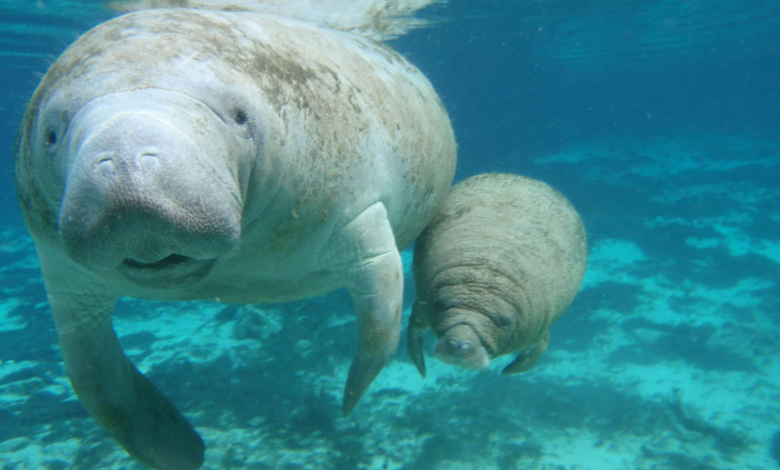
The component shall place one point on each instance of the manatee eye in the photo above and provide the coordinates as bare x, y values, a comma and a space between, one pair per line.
241, 117
51, 138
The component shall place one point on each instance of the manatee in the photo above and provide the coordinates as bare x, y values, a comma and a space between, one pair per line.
176, 154
501, 260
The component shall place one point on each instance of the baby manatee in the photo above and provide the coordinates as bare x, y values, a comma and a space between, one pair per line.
502, 259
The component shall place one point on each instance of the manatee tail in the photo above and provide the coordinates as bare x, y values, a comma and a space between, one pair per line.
377, 19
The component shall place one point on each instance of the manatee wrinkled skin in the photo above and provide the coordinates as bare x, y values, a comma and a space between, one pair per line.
501, 261
179, 154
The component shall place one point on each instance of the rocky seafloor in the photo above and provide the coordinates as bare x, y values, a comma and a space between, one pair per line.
667, 359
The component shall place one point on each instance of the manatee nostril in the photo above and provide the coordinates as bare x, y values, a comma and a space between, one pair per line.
148, 160
105, 166
459, 346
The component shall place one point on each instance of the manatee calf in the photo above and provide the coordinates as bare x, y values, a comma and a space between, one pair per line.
175, 154
501, 260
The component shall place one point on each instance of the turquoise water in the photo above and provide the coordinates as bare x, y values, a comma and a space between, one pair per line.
659, 122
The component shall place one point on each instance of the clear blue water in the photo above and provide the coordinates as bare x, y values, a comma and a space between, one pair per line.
660, 121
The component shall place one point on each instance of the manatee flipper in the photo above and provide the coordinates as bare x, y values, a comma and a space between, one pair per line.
526, 359
415, 336
109, 386
366, 252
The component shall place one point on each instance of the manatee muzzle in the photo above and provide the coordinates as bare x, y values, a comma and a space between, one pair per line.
461, 346
145, 196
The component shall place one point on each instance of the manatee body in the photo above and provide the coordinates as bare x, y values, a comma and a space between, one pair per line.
176, 154
501, 261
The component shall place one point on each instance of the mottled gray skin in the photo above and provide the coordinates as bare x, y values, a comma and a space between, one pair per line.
501, 261
176, 154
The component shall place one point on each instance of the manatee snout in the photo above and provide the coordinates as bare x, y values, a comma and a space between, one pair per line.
136, 198
461, 346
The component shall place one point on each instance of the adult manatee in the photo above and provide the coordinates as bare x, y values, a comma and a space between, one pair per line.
502, 259
177, 154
